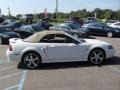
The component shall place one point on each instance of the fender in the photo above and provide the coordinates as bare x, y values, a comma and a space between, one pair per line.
96, 46
39, 51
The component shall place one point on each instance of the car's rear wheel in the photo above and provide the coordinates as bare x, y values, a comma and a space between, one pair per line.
31, 60
97, 56
110, 34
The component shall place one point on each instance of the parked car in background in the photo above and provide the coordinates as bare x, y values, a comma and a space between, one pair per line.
57, 46
109, 22
1, 19
27, 18
90, 20
7, 21
78, 20
27, 30
44, 24
12, 25
102, 29
73, 29
115, 25
5, 35
74, 22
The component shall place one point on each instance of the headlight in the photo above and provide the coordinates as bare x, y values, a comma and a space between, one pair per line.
110, 47
5, 36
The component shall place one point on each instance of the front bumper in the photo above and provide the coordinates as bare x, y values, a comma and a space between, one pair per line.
110, 53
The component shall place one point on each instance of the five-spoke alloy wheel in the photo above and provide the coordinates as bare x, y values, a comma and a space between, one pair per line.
97, 56
31, 60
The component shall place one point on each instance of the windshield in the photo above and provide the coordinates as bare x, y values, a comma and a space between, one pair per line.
74, 26
11, 23
37, 28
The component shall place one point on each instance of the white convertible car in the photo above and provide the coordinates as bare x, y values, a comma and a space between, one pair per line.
57, 46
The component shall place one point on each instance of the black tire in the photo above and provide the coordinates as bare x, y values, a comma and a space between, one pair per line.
96, 56
1, 41
34, 62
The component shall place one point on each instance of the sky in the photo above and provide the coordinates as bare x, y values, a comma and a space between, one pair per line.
38, 6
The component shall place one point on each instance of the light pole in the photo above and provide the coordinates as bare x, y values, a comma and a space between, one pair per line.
56, 9
9, 13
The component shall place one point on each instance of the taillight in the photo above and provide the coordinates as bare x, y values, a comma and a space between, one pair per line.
10, 48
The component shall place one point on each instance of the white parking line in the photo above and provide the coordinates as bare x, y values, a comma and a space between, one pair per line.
22, 81
3, 69
11, 75
12, 87
115, 69
5, 62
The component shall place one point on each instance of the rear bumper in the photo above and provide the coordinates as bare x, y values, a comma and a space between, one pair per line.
13, 56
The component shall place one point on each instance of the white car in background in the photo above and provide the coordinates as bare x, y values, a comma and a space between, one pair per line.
115, 25
57, 46
111, 22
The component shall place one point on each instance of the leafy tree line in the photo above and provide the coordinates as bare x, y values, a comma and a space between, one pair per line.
100, 13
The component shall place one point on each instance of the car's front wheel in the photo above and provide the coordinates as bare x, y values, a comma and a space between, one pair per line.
31, 60
110, 34
76, 35
97, 56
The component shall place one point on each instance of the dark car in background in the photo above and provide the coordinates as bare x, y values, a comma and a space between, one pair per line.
7, 21
27, 18
12, 25
5, 35
74, 22
27, 30
102, 29
44, 24
1, 19
73, 29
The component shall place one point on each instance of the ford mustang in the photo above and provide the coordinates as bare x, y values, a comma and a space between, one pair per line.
57, 46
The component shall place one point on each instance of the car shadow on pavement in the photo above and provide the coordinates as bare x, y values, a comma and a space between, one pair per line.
52, 66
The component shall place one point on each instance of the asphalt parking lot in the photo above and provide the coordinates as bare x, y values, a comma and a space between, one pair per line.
62, 76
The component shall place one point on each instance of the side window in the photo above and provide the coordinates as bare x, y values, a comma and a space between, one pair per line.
27, 29
64, 27
57, 38
100, 25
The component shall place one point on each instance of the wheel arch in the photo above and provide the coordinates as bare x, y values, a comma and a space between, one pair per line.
33, 51
99, 48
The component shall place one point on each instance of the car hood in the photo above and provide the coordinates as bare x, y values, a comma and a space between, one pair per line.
93, 41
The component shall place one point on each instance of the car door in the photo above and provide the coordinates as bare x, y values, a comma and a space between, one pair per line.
102, 29
92, 28
68, 50
98, 29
